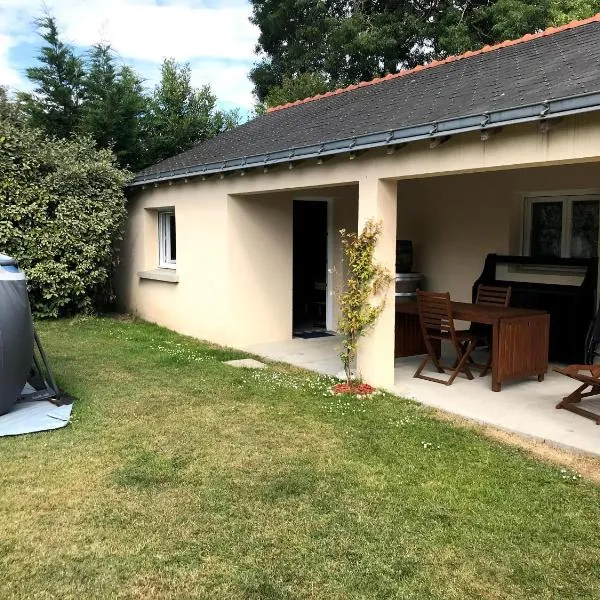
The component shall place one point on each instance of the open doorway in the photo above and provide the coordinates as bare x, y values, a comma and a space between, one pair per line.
310, 268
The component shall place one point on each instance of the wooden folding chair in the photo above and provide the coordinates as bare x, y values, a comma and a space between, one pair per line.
488, 295
493, 295
589, 377
437, 324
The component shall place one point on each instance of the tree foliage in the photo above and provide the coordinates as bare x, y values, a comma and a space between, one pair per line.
296, 88
344, 42
98, 96
55, 105
114, 106
563, 11
63, 211
179, 115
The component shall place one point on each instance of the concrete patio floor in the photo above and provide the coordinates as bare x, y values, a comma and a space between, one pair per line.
525, 407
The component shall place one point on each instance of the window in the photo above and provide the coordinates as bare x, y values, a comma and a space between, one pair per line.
562, 226
167, 239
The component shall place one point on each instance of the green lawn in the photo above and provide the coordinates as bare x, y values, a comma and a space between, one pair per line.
180, 477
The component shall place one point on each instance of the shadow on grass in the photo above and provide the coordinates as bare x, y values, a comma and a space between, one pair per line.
150, 469
296, 482
263, 591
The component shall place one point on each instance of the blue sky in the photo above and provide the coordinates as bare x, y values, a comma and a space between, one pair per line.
215, 37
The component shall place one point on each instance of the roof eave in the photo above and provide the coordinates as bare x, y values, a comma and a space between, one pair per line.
548, 109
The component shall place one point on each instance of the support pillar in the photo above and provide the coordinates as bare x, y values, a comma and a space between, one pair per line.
377, 199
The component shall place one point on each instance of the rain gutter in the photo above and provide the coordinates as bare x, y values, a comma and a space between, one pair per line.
541, 111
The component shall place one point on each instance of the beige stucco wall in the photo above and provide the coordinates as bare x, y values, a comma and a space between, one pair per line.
457, 202
198, 304
258, 269
260, 260
344, 215
234, 260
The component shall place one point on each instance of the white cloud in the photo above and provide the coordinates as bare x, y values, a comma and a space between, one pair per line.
217, 41
9, 76
228, 82
142, 30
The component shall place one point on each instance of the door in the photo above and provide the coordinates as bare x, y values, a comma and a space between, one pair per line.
310, 265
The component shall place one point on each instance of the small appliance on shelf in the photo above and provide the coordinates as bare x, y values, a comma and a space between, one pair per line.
407, 282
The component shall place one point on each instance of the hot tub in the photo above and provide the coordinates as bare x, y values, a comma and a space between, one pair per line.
16, 333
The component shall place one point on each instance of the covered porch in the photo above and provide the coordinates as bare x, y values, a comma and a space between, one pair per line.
454, 221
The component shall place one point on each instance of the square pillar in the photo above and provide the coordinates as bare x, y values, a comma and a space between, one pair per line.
377, 200
260, 267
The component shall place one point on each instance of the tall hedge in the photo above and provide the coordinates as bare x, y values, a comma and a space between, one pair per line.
62, 212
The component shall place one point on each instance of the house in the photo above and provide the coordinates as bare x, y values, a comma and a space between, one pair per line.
496, 150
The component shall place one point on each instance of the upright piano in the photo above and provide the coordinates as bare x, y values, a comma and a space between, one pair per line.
571, 305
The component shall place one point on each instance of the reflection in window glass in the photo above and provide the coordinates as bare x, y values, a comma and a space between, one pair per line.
173, 234
167, 240
546, 228
584, 229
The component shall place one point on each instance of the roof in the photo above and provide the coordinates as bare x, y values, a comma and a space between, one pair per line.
544, 75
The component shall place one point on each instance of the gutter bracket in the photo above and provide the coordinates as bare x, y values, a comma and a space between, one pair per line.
266, 164
485, 133
545, 110
320, 158
290, 161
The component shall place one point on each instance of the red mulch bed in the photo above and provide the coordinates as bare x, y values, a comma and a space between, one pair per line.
361, 389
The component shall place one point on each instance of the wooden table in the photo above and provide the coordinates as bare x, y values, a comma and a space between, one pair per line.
520, 337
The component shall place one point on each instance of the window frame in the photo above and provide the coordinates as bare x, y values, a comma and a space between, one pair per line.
164, 239
567, 200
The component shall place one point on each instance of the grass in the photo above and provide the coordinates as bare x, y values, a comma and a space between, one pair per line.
180, 477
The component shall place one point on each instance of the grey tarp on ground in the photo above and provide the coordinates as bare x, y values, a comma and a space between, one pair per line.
29, 417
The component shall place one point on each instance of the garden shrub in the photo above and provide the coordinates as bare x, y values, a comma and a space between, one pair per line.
61, 215
363, 298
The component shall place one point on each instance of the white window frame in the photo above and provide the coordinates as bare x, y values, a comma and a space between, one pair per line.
567, 201
164, 239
